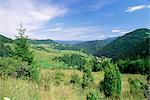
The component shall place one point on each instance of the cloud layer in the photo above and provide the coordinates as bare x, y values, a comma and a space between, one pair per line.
12, 12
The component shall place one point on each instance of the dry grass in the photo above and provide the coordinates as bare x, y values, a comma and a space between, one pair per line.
18, 89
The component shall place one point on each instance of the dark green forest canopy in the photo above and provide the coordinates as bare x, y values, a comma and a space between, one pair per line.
92, 47
4, 50
131, 45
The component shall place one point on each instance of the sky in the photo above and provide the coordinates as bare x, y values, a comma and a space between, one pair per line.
73, 19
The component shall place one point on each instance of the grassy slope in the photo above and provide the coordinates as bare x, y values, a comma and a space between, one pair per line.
45, 59
26, 90
21, 89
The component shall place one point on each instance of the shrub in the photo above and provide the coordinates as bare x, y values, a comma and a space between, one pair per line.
111, 84
58, 78
75, 79
88, 79
18, 69
93, 95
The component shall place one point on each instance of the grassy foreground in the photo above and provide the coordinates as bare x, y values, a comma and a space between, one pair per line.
18, 89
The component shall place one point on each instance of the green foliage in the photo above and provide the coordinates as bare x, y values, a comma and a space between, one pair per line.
66, 47
92, 47
75, 79
111, 84
139, 66
17, 69
4, 51
136, 87
88, 79
46, 41
72, 60
22, 47
4, 39
93, 95
131, 45
99, 64
58, 78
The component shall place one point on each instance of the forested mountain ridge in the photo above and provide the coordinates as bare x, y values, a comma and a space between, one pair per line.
4, 50
131, 45
68, 42
92, 47
4, 39
42, 41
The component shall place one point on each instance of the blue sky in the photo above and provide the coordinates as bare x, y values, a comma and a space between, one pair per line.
74, 19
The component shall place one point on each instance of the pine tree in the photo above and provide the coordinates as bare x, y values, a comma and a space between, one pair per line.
112, 81
22, 46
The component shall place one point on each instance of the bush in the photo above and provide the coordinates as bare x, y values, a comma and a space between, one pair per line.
75, 79
93, 95
17, 69
88, 79
111, 84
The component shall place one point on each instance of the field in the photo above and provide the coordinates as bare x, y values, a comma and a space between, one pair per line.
47, 89
17, 89
45, 57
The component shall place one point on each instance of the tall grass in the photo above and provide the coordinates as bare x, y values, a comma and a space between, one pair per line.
18, 89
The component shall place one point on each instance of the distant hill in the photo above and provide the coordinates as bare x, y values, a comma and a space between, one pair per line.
67, 42
131, 45
92, 47
46, 41
4, 39
4, 50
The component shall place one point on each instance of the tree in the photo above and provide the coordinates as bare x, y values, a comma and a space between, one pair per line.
22, 46
111, 84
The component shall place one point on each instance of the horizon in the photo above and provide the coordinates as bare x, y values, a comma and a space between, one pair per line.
74, 20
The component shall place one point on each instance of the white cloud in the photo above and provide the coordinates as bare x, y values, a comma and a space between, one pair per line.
33, 14
119, 31
85, 32
116, 30
135, 8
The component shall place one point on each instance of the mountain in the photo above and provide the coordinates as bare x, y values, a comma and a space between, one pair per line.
68, 42
4, 39
92, 47
46, 41
4, 50
132, 45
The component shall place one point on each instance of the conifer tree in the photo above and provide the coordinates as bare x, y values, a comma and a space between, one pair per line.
112, 81
22, 46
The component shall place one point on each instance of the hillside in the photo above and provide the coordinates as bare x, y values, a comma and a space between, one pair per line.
131, 45
68, 42
4, 50
92, 47
4, 39
44, 41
